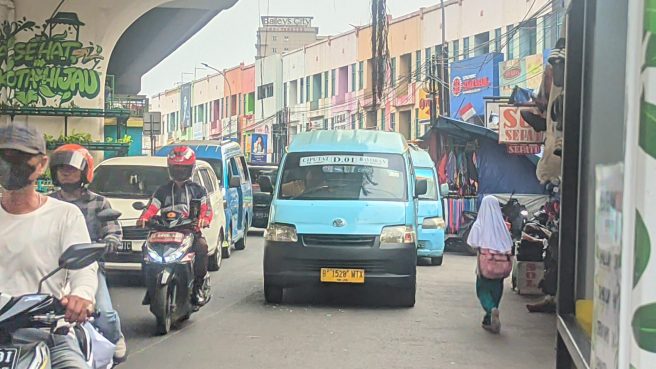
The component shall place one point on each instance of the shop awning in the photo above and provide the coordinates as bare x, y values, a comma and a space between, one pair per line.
464, 130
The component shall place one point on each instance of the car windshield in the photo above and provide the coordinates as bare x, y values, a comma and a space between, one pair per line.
128, 181
257, 172
343, 176
431, 192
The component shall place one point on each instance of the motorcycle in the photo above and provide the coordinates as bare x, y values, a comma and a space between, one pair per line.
43, 311
168, 268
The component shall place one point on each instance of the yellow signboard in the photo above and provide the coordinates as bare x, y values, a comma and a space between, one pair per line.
424, 104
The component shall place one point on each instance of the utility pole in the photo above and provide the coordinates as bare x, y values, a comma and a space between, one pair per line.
443, 74
433, 92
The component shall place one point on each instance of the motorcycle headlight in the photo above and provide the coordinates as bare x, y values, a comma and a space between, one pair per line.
398, 235
152, 255
433, 223
524, 213
281, 233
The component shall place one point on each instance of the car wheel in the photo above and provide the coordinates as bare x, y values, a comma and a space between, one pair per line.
437, 261
216, 258
227, 251
241, 244
273, 294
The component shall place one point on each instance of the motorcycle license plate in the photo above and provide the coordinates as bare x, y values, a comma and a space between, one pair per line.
334, 275
261, 215
125, 247
8, 358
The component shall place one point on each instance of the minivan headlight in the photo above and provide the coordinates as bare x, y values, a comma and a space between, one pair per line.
398, 235
281, 233
433, 223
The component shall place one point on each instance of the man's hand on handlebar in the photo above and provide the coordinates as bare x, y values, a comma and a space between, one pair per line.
141, 223
77, 309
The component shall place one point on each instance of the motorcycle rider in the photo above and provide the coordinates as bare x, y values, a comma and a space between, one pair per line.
176, 196
35, 231
71, 167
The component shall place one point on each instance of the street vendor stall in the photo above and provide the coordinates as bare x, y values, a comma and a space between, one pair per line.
472, 162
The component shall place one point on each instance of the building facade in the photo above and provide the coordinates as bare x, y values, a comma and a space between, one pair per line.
279, 35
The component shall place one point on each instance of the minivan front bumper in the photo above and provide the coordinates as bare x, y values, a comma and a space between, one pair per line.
294, 264
430, 243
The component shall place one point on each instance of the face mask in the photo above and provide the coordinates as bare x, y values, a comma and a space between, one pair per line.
71, 187
15, 176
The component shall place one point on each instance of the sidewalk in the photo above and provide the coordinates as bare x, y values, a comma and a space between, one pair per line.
526, 341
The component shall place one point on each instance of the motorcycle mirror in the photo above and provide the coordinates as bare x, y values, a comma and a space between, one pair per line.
138, 205
77, 257
108, 215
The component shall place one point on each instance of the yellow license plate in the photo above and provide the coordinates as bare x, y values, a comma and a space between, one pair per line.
334, 275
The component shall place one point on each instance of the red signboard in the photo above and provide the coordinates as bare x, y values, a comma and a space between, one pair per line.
469, 84
513, 129
525, 149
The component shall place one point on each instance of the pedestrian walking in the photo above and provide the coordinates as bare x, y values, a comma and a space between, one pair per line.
490, 235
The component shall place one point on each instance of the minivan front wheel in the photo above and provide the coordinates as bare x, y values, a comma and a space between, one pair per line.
241, 244
216, 258
226, 251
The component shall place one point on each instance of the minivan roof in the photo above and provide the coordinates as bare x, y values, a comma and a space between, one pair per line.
349, 141
151, 161
208, 149
421, 158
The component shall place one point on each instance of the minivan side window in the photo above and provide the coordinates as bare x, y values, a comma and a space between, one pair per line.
242, 164
196, 178
207, 179
234, 170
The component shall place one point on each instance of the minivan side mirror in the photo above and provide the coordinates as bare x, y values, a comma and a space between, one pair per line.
265, 184
421, 187
138, 205
235, 181
444, 189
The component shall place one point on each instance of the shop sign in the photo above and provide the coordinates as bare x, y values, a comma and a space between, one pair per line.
46, 64
525, 72
424, 105
258, 148
524, 149
287, 21
185, 105
513, 129
492, 114
471, 81
340, 121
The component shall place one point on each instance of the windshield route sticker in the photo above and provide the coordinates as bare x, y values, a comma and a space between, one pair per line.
370, 161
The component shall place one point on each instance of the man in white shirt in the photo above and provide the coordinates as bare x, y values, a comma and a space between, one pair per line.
35, 231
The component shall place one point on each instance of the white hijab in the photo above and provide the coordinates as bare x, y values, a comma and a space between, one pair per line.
490, 231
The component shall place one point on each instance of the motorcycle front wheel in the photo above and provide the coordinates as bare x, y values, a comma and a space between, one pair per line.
163, 303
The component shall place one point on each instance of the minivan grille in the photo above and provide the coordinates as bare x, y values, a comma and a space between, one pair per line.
338, 240
135, 233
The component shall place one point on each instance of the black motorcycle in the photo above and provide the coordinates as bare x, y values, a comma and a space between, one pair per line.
42, 311
168, 268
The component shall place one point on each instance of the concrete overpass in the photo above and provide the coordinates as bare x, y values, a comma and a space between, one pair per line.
56, 54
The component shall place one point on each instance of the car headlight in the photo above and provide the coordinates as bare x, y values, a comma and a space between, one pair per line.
398, 235
281, 233
433, 223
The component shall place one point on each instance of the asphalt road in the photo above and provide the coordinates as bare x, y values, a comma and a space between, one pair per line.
335, 328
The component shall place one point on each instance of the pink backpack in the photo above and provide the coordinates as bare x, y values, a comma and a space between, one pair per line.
493, 264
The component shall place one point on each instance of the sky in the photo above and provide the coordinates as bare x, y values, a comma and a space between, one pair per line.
229, 38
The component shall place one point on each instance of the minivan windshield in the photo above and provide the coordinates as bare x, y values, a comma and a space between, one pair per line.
343, 176
128, 181
427, 174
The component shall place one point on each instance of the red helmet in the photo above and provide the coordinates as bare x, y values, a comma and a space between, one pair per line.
181, 162
75, 156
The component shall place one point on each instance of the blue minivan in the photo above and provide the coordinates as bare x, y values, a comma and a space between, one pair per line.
430, 218
344, 211
229, 164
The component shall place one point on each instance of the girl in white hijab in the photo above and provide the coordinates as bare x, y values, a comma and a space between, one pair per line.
490, 232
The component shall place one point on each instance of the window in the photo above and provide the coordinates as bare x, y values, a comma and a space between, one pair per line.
243, 167
382, 118
264, 91
217, 165
307, 88
353, 124
528, 38
302, 99
393, 72
325, 81
482, 44
353, 75
361, 75
456, 50
428, 56
274, 50
510, 36
497, 40
465, 48
274, 38
207, 181
325, 123
234, 171
286, 38
417, 125
284, 95
418, 66
200, 116
547, 30
393, 121
333, 80
361, 119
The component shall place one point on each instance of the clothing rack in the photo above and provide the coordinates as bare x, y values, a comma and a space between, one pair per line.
454, 206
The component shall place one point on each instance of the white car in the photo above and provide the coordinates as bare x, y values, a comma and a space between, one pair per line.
128, 180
